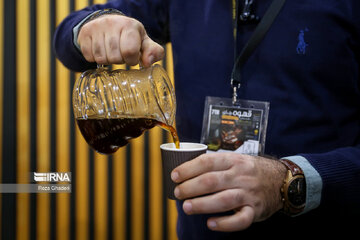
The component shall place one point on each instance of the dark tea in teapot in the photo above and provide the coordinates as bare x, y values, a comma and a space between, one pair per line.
107, 135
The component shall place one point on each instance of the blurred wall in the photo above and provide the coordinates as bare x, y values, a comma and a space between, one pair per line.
113, 197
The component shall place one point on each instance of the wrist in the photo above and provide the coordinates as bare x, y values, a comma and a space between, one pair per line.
274, 181
281, 174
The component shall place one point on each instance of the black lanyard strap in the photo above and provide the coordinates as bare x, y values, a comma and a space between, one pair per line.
253, 42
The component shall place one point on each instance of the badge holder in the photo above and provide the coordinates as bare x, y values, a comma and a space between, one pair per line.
239, 127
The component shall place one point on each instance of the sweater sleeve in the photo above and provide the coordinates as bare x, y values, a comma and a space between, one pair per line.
340, 173
313, 183
152, 13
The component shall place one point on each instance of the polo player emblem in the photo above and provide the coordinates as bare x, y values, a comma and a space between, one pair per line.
301, 46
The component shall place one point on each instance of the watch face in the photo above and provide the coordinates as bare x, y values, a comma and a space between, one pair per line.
297, 192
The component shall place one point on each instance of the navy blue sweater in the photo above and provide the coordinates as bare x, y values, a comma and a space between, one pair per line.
307, 67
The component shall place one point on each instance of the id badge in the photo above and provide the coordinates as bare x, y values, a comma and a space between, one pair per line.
239, 127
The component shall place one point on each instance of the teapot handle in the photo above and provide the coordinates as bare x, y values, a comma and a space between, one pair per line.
141, 64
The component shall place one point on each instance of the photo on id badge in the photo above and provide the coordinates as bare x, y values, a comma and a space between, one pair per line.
237, 128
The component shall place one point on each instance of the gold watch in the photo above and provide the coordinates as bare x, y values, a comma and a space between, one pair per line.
293, 191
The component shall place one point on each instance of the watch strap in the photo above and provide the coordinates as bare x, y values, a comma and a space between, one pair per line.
295, 169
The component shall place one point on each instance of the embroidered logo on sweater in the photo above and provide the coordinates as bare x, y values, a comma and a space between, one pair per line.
301, 46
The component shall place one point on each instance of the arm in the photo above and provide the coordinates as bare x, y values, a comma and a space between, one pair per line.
153, 14
251, 185
340, 173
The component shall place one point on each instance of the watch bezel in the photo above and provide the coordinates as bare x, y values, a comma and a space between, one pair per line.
289, 208
286, 192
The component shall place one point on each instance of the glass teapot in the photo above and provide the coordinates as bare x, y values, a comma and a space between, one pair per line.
112, 107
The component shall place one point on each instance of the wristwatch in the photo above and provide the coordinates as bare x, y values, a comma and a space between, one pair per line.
293, 191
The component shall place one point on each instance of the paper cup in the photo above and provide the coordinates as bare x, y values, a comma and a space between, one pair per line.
173, 157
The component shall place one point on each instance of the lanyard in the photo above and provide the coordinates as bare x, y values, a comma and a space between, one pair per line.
235, 11
253, 42
245, 17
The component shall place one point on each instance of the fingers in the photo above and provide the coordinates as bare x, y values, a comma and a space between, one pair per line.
86, 49
241, 220
130, 44
223, 201
118, 39
218, 182
216, 203
202, 164
112, 48
98, 49
206, 183
151, 51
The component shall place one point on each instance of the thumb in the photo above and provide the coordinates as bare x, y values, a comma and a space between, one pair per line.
151, 51
240, 220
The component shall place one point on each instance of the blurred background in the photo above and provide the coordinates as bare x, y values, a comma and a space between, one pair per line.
113, 197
